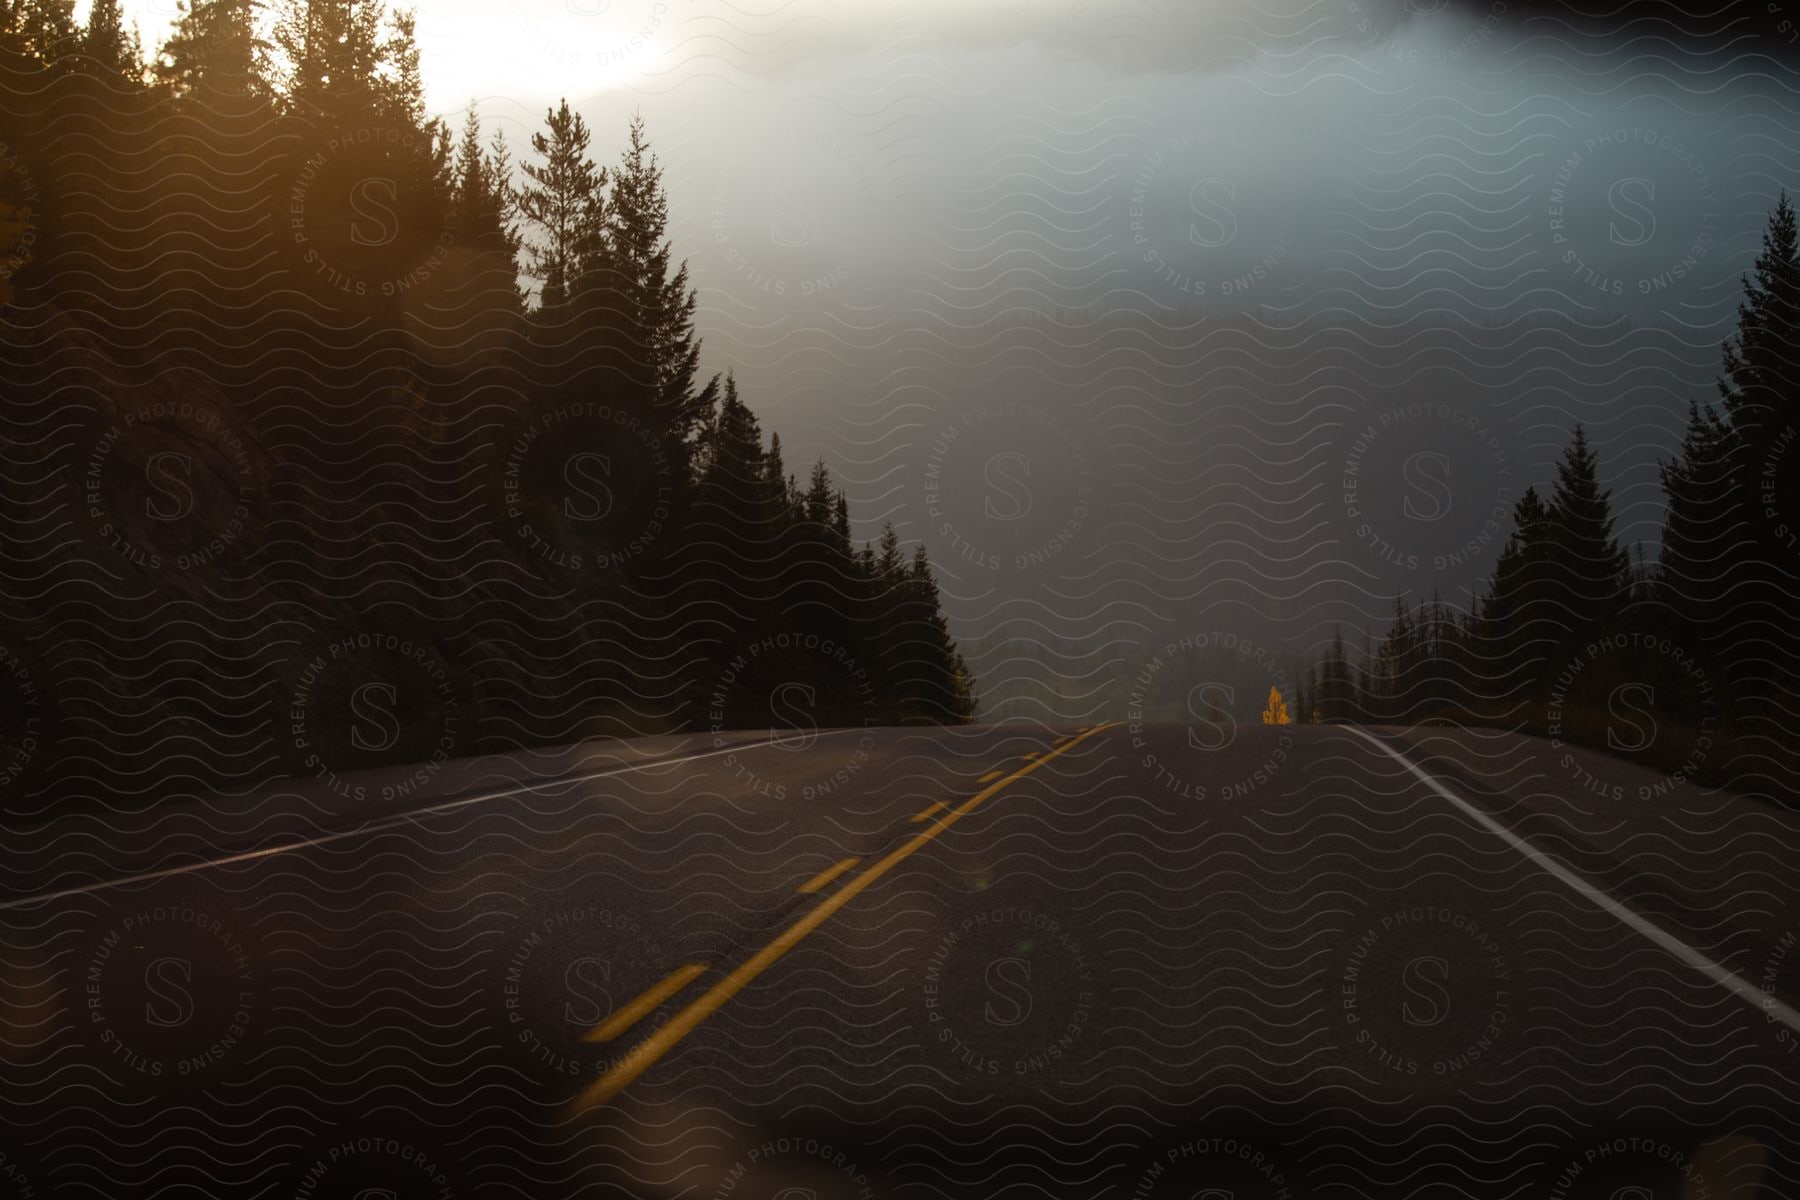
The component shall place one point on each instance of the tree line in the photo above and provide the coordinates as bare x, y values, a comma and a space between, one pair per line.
307, 391
1689, 662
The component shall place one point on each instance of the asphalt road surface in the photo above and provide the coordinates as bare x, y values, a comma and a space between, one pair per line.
1112, 962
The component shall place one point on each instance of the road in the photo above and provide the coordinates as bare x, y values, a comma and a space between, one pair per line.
1111, 962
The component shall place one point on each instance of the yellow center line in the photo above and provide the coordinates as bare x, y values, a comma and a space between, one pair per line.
646, 1053
990, 776
644, 1005
926, 814
827, 875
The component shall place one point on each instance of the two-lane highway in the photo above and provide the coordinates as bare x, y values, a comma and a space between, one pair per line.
1109, 961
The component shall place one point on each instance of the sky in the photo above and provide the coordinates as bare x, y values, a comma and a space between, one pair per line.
1294, 154
1486, 219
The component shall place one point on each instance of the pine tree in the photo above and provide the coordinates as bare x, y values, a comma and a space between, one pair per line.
1592, 571
481, 211
398, 80
648, 299
213, 50
564, 202
108, 49
733, 539
1520, 616
778, 486
942, 689
820, 500
1705, 535
349, 61
45, 31
1759, 381
1275, 712
1518, 582
329, 49
1758, 391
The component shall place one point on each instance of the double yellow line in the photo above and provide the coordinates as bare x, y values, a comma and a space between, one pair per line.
652, 1048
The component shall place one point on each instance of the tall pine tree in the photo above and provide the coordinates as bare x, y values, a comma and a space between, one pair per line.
1759, 383
214, 52
108, 49
648, 297
563, 203
1593, 572
1705, 533
1758, 394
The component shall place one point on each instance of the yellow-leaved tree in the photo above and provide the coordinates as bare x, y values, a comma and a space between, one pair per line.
1276, 713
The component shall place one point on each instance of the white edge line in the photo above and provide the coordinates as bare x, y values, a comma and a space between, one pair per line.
385, 824
1765, 1002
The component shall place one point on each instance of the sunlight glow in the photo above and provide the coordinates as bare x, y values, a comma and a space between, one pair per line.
539, 50
548, 50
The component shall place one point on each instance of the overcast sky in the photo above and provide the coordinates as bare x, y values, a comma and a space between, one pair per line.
871, 193
1395, 155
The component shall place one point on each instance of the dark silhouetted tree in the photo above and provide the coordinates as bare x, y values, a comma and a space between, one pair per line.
563, 204
648, 296
214, 51
43, 30
1758, 385
1705, 533
1592, 570
328, 54
108, 49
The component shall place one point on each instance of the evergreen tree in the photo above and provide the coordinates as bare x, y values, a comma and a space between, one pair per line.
648, 298
1705, 535
108, 49
1758, 391
330, 55
43, 31
890, 563
1521, 614
778, 487
213, 49
733, 463
821, 499
1759, 381
1518, 585
481, 206
394, 374
564, 203
398, 80
940, 688
1593, 571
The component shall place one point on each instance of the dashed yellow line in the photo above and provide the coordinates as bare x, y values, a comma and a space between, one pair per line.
644, 1005
827, 875
928, 813
990, 776
646, 1053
